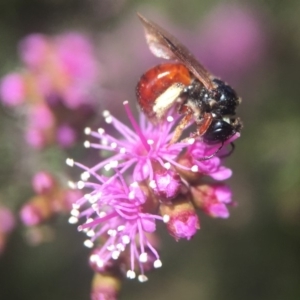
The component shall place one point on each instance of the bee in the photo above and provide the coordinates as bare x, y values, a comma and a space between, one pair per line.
185, 83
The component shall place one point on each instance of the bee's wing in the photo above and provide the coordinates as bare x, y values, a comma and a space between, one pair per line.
163, 44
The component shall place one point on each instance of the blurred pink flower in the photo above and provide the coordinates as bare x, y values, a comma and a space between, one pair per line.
57, 84
41, 117
43, 182
66, 135
12, 89
213, 199
232, 40
33, 50
35, 138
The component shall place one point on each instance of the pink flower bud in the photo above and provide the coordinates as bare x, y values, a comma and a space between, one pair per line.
65, 135
181, 217
166, 184
43, 182
36, 211
33, 50
212, 199
12, 89
105, 287
41, 117
35, 138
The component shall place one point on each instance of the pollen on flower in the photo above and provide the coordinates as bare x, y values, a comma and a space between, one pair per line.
134, 184
75, 212
191, 141
166, 218
130, 274
122, 150
170, 119
167, 165
152, 184
87, 130
85, 176
195, 168
101, 131
80, 185
88, 244
115, 254
112, 232
71, 185
110, 248
157, 264
75, 206
73, 220
106, 113
131, 195
90, 233
113, 145
107, 117
70, 162
143, 278
87, 144
121, 228
143, 257
126, 239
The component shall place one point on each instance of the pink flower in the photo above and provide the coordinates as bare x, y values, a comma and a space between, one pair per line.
35, 138
105, 287
148, 175
77, 56
43, 182
213, 199
33, 50
212, 167
233, 39
66, 135
12, 89
40, 117
114, 212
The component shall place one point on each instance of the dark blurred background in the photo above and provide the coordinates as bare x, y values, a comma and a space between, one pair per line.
253, 45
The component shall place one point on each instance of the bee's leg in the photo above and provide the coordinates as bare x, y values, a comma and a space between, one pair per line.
180, 127
204, 124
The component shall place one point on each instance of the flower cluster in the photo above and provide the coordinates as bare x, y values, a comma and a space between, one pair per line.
55, 86
50, 198
143, 178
